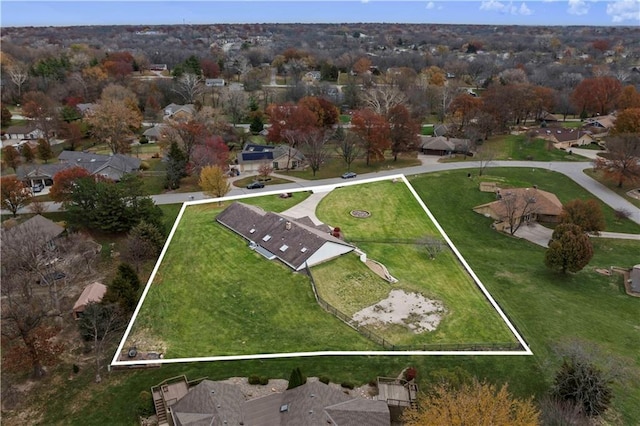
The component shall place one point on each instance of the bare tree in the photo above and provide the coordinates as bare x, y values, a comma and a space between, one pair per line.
432, 245
518, 206
314, 147
349, 148
382, 98
485, 157
235, 105
18, 73
189, 86
100, 324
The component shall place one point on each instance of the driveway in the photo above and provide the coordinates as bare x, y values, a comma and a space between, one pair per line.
535, 233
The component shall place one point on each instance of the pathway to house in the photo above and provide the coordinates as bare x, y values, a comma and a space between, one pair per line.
541, 235
307, 208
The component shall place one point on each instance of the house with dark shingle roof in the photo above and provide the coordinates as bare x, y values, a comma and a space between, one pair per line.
442, 145
275, 236
277, 156
110, 166
563, 138
28, 131
311, 404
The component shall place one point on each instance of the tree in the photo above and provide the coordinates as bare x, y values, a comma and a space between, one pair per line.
583, 384
596, 95
5, 116
36, 350
403, 131
348, 148
213, 152
569, 249
289, 119
296, 378
123, 290
326, 113
176, 166
213, 181
10, 157
189, 86
264, 170
629, 98
256, 125
187, 135
14, 194
114, 122
464, 108
64, 183
100, 324
517, 204
373, 132
27, 153
485, 157
627, 121
314, 147
477, 403
143, 243
380, 99
234, 105
42, 110
432, 245
72, 133
44, 150
587, 214
621, 161
18, 73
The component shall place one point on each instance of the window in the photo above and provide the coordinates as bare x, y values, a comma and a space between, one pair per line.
275, 165
266, 237
252, 230
284, 248
304, 249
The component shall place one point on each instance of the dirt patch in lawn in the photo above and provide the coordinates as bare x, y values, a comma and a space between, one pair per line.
410, 310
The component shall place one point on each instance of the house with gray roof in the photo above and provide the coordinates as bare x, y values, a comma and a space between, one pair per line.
178, 112
110, 166
154, 133
277, 156
442, 145
26, 132
276, 236
311, 404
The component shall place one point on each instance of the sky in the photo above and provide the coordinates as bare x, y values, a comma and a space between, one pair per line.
485, 12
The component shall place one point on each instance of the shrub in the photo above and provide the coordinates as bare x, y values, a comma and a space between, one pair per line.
254, 379
410, 374
145, 404
144, 165
76, 369
324, 379
347, 385
143, 140
264, 380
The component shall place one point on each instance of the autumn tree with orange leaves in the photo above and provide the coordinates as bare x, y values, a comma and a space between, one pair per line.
621, 163
627, 121
477, 403
403, 131
373, 131
64, 181
596, 95
289, 118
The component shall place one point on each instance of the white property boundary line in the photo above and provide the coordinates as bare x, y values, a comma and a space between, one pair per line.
323, 188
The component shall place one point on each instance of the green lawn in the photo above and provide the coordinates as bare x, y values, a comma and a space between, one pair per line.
335, 166
517, 147
613, 185
546, 307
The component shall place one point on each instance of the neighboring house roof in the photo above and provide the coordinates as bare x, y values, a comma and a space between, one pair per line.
442, 143
21, 130
39, 171
311, 404
85, 108
288, 240
560, 134
214, 82
173, 109
255, 152
155, 131
440, 130
605, 122
547, 116
359, 412
546, 203
111, 166
209, 403
44, 227
92, 293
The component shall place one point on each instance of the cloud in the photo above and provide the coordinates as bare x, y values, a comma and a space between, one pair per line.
431, 5
624, 10
578, 7
524, 10
492, 5
497, 6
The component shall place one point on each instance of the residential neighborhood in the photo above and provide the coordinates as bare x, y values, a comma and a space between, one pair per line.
320, 223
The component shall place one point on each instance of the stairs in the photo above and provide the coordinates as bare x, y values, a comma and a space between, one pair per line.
161, 410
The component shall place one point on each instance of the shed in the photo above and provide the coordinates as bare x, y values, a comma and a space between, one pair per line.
92, 293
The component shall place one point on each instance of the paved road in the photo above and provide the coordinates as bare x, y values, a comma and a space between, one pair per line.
573, 170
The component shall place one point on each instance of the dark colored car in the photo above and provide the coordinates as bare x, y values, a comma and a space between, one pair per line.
349, 175
255, 185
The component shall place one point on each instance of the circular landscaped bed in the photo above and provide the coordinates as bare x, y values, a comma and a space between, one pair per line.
360, 213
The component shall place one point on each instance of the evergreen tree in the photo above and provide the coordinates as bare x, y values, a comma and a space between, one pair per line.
296, 378
569, 249
176, 166
123, 290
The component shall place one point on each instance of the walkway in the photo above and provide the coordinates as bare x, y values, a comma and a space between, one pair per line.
307, 208
541, 235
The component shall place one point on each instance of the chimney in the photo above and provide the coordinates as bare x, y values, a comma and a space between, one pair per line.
287, 226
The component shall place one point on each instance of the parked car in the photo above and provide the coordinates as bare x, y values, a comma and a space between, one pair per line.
349, 175
255, 185
38, 187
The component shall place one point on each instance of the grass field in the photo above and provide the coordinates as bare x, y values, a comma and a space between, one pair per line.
546, 307
517, 147
395, 214
335, 166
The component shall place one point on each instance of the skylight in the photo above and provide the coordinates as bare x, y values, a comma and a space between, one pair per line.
252, 230
304, 249
284, 248
266, 237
